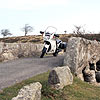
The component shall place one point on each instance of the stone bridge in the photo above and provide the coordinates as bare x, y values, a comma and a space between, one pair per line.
9, 51
83, 58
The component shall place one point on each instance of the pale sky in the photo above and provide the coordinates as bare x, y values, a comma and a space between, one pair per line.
62, 14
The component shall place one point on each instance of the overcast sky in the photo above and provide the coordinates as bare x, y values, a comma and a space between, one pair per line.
63, 14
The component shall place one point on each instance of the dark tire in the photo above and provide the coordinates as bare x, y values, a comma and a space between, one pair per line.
55, 54
65, 50
43, 52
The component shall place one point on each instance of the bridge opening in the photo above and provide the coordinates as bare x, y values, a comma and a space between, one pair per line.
98, 65
91, 73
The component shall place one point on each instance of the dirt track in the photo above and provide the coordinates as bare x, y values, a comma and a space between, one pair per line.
15, 71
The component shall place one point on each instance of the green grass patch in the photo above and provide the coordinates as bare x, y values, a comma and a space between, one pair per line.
10, 92
77, 91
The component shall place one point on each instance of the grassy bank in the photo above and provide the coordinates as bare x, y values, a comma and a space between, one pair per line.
39, 38
77, 91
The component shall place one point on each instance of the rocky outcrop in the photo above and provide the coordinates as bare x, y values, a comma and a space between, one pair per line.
60, 77
9, 51
30, 92
89, 75
81, 53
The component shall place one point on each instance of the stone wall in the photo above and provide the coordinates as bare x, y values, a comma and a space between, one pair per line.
16, 50
82, 55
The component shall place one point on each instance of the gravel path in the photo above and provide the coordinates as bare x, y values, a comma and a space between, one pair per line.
15, 71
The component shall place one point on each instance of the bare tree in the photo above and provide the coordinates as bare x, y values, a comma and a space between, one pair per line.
27, 28
79, 30
65, 31
5, 32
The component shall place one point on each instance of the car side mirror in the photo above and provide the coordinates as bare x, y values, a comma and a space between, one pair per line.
41, 32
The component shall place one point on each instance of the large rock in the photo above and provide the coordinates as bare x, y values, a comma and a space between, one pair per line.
80, 52
60, 77
30, 92
8, 55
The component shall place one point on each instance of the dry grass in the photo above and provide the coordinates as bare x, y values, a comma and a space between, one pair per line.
23, 39
39, 38
30, 38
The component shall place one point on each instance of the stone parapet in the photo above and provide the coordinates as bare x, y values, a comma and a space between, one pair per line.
9, 51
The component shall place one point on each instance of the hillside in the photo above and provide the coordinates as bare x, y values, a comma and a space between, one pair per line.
39, 38
30, 38
22, 39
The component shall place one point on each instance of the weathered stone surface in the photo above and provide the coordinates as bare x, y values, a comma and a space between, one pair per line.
8, 55
89, 75
30, 92
83, 58
2, 58
80, 52
60, 77
80, 76
11, 51
1, 46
